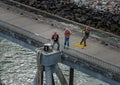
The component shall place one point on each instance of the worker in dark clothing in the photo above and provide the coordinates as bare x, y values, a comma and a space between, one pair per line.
55, 38
86, 35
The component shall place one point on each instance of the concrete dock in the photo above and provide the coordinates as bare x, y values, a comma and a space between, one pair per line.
94, 48
99, 53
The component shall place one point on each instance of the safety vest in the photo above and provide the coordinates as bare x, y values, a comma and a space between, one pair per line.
86, 30
55, 37
67, 33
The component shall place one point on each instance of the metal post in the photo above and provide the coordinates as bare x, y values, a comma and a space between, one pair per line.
39, 78
53, 80
48, 74
40, 69
49, 59
39, 75
60, 75
71, 78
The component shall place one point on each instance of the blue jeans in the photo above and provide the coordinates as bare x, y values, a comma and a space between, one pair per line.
66, 43
58, 44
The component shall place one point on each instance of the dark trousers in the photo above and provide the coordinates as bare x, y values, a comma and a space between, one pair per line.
84, 40
58, 44
66, 42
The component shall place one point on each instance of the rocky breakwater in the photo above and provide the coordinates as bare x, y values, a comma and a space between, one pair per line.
101, 14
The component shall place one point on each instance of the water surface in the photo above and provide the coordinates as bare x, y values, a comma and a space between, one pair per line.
18, 67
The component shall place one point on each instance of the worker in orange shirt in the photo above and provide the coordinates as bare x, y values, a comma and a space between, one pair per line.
67, 34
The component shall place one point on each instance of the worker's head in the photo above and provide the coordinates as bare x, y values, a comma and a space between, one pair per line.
86, 28
66, 28
55, 32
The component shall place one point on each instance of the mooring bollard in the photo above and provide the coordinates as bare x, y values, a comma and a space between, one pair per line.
47, 61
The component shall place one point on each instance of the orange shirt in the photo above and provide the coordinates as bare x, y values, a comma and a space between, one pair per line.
67, 33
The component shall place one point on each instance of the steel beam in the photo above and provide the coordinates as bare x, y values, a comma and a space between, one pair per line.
71, 76
60, 76
48, 74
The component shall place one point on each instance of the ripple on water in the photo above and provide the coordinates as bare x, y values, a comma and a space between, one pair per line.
18, 67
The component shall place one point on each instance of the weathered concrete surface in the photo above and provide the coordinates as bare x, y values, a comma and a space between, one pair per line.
96, 49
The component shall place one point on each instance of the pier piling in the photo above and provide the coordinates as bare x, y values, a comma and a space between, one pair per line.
71, 76
47, 61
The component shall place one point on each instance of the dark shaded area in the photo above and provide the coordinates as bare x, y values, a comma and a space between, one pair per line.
1, 82
107, 21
